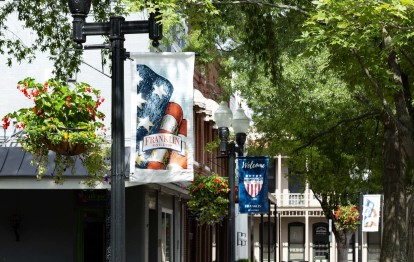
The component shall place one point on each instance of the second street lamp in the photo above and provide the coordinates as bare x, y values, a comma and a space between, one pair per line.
240, 123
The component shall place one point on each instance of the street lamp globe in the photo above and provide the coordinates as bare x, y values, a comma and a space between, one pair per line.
240, 122
240, 125
223, 115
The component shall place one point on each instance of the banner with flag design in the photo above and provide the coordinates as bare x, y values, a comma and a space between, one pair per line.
371, 211
253, 184
162, 117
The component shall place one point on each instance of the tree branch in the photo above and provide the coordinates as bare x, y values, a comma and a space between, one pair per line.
374, 84
261, 2
408, 57
324, 132
397, 26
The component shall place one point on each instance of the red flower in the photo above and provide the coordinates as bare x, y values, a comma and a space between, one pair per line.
6, 122
20, 125
99, 101
68, 99
35, 92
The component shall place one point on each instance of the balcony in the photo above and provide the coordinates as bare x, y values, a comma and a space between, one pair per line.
296, 200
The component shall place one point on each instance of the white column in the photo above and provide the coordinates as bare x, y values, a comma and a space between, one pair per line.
306, 236
279, 240
311, 252
307, 196
364, 246
257, 251
285, 251
332, 253
279, 180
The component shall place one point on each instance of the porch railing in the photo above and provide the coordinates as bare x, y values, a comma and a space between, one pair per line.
296, 200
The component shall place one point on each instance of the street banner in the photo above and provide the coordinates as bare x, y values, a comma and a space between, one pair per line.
162, 117
253, 184
371, 213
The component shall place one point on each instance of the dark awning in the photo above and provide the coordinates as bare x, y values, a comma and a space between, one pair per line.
14, 161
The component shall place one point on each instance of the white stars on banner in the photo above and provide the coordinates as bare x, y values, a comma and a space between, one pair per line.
159, 91
140, 100
145, 122
137, 78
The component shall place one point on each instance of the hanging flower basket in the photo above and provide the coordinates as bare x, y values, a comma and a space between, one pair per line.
209, 199
66, 148
347, 217
64, 119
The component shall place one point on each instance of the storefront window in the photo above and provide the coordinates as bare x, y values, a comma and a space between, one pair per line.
296, 241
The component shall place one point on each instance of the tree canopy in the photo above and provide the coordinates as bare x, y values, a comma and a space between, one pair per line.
330, 84
50, 23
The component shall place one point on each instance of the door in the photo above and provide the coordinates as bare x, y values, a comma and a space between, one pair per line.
152, 236
166, 235
321, 242
91, 234
296, 241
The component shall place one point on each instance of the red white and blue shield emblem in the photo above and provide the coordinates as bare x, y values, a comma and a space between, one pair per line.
253, 185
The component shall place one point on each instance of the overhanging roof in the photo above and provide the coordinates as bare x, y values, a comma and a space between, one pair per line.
16, 172
15, 162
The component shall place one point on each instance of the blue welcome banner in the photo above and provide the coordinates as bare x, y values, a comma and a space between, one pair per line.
253, 184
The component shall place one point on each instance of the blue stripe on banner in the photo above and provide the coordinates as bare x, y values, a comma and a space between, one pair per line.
253, 184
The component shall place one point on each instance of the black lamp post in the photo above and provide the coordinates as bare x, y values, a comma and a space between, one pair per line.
116, 28
240, 123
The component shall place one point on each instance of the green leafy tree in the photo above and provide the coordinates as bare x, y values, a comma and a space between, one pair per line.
313, 117
51, 26
368, 48
372, 41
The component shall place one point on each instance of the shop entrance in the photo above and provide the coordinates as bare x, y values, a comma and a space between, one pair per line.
320, 242
91, 226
